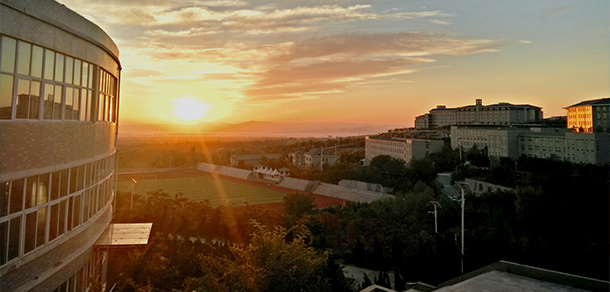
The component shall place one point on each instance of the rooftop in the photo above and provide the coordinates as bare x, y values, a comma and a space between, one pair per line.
601, 101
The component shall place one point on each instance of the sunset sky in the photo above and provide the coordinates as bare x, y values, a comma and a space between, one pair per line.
372, 62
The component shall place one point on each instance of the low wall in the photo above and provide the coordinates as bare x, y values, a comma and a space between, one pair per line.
481, 187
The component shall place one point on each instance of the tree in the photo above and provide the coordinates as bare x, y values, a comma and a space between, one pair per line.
273, 263
296, 206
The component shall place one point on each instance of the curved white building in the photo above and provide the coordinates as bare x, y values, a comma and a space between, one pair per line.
59, 84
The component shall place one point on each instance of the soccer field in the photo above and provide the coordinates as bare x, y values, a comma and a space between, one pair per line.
217, 191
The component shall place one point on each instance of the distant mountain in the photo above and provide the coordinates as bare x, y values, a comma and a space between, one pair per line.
258, 128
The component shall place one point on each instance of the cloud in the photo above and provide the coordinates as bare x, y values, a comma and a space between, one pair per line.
273, 51
524, 42
334, 63
545, 14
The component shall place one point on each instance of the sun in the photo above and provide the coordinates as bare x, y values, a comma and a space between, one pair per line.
190, 109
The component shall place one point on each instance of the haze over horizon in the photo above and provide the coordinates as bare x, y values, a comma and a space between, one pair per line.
364, 62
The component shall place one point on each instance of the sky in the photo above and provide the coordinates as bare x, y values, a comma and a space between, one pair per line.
365, 62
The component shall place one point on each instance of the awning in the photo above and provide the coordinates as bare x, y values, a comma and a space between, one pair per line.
125, 235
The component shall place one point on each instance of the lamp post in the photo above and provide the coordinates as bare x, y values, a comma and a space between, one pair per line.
462, 202
435, 203
132, 187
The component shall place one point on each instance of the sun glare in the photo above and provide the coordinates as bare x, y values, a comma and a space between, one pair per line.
189, 109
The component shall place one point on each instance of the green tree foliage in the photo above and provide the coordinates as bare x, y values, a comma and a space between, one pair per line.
271, 263
296, 206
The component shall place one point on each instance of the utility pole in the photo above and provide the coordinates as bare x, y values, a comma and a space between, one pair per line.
132, 187
463, 203
434, 203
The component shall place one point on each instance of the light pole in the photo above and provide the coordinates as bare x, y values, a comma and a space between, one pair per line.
435, 203
463, 203
132, 187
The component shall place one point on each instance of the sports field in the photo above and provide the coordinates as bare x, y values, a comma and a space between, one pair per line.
200, 188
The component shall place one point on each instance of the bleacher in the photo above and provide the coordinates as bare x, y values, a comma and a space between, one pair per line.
316, 187
223, 170
294, 183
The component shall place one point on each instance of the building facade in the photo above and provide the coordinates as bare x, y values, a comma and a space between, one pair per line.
59, 87
478, 114
316, 155
590, 116
498, 114
400, 148
534, 142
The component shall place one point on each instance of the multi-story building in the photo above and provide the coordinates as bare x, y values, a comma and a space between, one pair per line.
400, 148
59, 81
590, 116
497, 114
442, 116
422, 122
478, 114
251, 159
534, 142
317, 155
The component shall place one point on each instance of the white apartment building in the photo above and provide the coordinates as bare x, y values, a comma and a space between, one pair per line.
400, 148
534, 142
502, 113
589, 116
478, 114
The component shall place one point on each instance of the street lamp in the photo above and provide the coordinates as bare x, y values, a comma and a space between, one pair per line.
435, 203
462, 202
132, 187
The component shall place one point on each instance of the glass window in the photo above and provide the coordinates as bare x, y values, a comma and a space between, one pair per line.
43, 189
76, 216
100, 109
83, 105
55, 182
4, 195
23, 62
40, 234
37, 53
77, 67
23, 98
73, 179
59, 67
62, 218
90, 106
3, 243
49, 64
69, 70
64, 183
13, 238
70, 210
57, 106
31, 187
76, 104
53, 222
30, 231
16, 203
69, 103
49, 100
6, 96
90, 84
85, 79
34, 99
9, 47
81, 175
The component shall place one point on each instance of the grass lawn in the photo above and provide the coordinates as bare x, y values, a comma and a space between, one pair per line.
217, 191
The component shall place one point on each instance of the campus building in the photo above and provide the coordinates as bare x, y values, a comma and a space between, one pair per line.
557, 143
478, 114
59, 87
400, 148
590, 116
